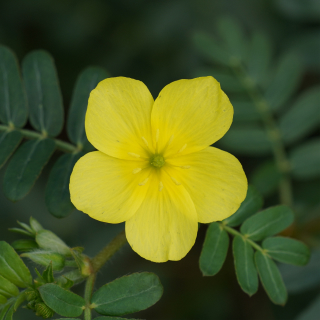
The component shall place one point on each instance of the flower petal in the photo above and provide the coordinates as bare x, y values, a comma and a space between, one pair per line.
215, 181
118, 119
165, 226
191, 114
106, 188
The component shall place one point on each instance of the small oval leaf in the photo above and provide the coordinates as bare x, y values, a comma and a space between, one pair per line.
7, 288
287, 250
271, 278
57, 194
61, 301
25, 167
45, 257
214, 251
267, 222
12, 267
43, 91
251, 204
244, 264
48, 240
13, 101
302, 118
305, 160
86, 82
286, 79
9, 141
245, 140
24, 245
128, 294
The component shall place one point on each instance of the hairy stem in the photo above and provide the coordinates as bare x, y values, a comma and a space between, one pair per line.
30, 134
88, 294
237, 233
108, 251
273, 132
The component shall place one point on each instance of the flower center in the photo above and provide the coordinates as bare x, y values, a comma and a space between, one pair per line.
157, 161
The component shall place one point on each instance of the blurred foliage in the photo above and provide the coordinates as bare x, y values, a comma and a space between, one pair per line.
152, 41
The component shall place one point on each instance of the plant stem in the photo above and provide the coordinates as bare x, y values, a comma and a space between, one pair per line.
108, 251
29, 134
237, 233
273, 132
88, 294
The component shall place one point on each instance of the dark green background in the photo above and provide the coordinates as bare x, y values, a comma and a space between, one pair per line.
152, 41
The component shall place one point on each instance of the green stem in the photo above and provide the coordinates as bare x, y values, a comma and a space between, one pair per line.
29, 134
88, 294
237, 233
273, 132
108, 251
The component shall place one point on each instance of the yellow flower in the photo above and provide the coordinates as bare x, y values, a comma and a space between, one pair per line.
155, 168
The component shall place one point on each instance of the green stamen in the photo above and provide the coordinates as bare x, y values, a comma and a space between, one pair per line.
157, 161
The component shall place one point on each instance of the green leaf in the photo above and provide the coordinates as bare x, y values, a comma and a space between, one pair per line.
45, 257
233, 37
287, 250
251, 204
227, 80
114, 318
259, 58
302, 118
312, 311
9, 313
57, 194
285, 81
9, 141
61, 301
26, 227
21, 298
4, 310
214, 251
48, 240
12, 267
13, 102
267, 223
68, 319
244, 111
305, 160
299, 279
211, 49
25, 167
128, 294
271, 278
86, 82
245, 140
24, 245
47, 274
35, 225
244, 264
3, 299
21, 231
43, 91
7, 288
266, 177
